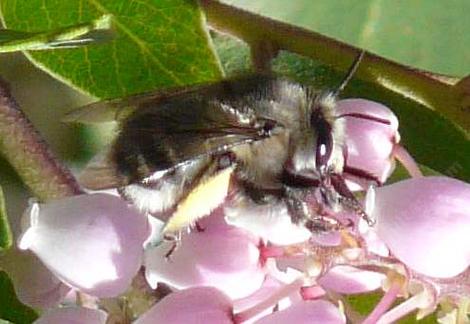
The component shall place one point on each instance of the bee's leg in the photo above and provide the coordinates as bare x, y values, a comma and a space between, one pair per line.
175, 239
348, 199
317, 220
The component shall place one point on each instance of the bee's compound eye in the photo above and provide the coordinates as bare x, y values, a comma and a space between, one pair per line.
324, 145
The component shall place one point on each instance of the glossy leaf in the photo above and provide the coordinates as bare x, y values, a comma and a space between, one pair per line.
157, 43
10, 308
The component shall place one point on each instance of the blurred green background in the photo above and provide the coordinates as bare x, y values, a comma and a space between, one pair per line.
430, 35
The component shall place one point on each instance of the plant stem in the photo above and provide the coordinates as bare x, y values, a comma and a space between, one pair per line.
95, 31
29, 155
407, 161
430, 90
387, 300
408, 306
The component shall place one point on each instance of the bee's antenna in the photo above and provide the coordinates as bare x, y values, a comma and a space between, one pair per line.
352, 70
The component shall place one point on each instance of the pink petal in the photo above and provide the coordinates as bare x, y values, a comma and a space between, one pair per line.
349, 280
269, 286
318, 311
425, 222
191, 306
91, 242
220, 256
369, 142
271, 224
73, 315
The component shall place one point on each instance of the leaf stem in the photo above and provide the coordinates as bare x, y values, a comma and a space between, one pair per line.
79, 35
27, 152
420, 86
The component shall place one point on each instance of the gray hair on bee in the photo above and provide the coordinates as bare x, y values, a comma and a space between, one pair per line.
275, 145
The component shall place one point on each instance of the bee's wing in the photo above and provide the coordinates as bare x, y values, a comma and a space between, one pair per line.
159, 138
187, 124
119, 108
101, 111
126, 166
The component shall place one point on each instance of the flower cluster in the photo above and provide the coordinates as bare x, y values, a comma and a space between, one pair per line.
95, 258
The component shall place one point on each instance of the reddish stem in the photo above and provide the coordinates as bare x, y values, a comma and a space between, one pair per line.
405, 308
407, 160
387, 300
29, 154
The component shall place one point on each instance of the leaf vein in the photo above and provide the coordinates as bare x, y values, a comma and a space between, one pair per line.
140, 43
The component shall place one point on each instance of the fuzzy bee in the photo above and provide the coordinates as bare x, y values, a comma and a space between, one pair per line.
276, 144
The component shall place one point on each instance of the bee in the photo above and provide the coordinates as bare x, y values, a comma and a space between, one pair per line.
278, 145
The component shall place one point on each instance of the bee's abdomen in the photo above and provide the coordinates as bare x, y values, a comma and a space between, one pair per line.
142, 147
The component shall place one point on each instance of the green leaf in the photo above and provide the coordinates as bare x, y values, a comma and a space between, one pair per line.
432, 140
83, 34
157, 44
11, 309
423, 34
5, 232
365, 303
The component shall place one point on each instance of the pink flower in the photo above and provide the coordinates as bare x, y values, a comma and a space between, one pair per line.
194, 305
92, 243
349, 280
220, 255
425, 222
271, 224
371, 133
269, 287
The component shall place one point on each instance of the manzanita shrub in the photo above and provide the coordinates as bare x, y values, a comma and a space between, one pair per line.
91, 257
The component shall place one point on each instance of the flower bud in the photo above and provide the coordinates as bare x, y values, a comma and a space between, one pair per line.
425, 222
371, 132
220, 256
92, 243
350, 280
194, 305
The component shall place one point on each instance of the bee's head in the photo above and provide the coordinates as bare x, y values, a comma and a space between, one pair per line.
322, 124
327, 128
316, 150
